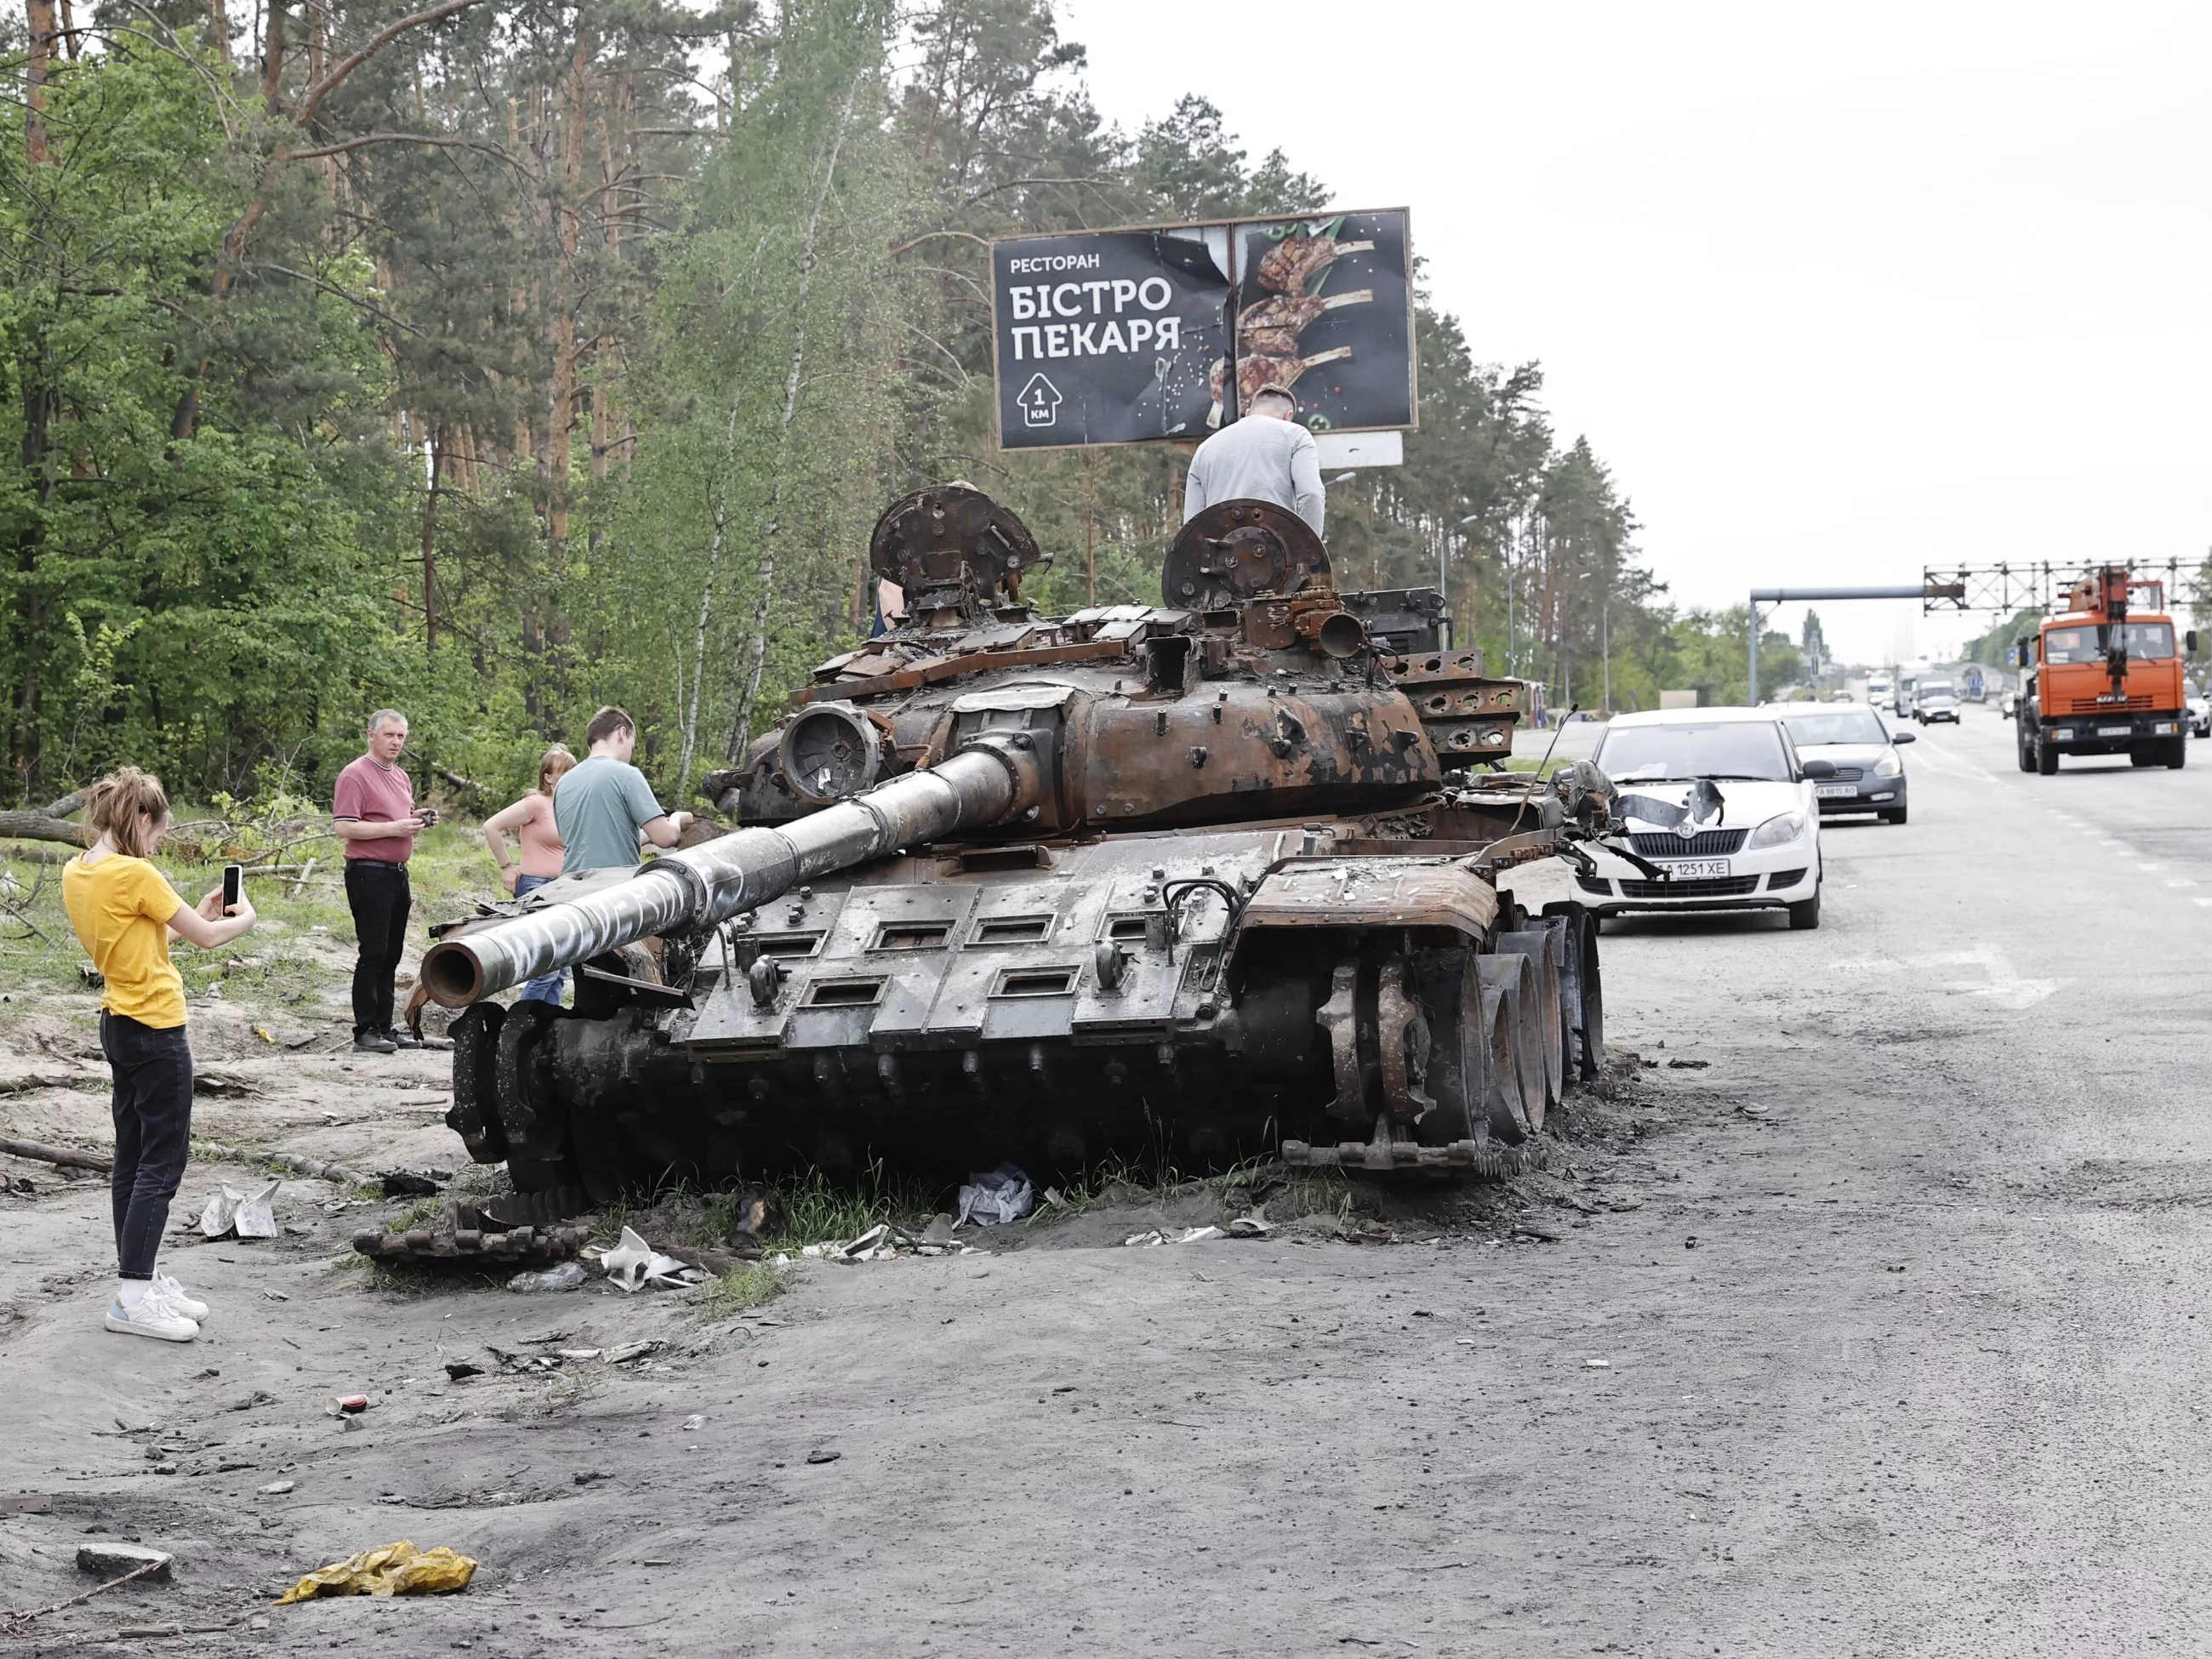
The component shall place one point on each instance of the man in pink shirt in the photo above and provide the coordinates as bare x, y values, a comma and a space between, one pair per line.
373, 806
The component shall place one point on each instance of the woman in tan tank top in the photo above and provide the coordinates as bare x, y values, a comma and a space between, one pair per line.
530, 821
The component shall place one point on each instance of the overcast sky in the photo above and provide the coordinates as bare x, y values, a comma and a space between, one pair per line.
1838, 293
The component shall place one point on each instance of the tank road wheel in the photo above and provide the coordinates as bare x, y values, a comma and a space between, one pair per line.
1513, 977
474, 1115
1502, 1102
1541, 946
1458, 1080
537, 1161
1581, 987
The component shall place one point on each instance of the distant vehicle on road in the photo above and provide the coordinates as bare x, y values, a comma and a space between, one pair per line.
1935, 699
1973, 685
1870, 772
2200, 709
1760, 850
2008, 703
1881, 694
2105, 678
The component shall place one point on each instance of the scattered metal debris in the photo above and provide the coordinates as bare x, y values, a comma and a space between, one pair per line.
1172, 1235
231, 1213
632, 1262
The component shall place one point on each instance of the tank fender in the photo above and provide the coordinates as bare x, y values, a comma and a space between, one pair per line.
1371, 892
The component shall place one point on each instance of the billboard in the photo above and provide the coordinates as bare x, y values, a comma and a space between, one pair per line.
1131, 336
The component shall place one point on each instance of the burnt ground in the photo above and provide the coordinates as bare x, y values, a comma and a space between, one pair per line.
1877, 1332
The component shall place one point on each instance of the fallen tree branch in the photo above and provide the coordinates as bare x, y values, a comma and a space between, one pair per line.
29, 1614
41, 826
307, 1166
61, 1157
33, 855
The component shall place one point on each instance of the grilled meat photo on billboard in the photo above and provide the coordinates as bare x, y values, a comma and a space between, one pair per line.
1333, 293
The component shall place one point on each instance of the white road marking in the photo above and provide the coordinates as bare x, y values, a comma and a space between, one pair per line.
2180, 881
1953, 766
1999, 983
2201, 900
2150, 869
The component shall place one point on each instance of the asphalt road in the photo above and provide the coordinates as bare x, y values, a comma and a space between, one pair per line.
1876, 1327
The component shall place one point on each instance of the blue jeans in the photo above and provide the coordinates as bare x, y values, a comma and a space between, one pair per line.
546, 987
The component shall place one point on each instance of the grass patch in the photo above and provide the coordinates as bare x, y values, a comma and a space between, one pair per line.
753, 1285
811, 1209
803, 1209
420, 1213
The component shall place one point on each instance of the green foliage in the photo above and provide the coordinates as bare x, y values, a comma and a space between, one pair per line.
563, 356
1994, 649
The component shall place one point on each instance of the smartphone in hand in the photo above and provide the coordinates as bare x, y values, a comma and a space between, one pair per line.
233, 886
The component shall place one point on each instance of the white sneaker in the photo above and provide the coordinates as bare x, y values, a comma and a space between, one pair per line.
191, 1306
155, 1315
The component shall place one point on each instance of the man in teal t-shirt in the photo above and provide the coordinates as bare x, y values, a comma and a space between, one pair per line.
603, 806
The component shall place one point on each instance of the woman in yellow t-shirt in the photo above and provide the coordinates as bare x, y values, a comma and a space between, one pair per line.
124, 913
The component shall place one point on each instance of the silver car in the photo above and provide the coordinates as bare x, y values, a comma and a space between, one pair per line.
1870, 772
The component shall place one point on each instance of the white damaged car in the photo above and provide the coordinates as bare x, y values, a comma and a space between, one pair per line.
1719, 799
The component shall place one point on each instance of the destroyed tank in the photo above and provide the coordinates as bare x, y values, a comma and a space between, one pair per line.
1208, 878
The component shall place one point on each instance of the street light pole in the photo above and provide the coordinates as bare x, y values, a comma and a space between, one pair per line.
1443, 551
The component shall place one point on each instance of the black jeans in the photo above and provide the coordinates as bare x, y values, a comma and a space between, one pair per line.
153, 1072
378, 896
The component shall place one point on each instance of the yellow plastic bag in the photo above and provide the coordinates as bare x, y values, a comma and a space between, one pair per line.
398, 1569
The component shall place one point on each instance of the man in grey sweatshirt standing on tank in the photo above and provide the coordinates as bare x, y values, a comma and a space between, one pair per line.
1266, 457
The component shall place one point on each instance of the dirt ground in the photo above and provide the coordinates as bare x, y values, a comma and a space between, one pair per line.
1862, 1319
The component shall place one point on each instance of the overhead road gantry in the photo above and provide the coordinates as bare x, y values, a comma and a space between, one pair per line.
1933, 591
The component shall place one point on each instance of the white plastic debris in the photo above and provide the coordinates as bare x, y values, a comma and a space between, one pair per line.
634, 1262
244, 1215
1250, 1226
1171, 1235
566, 1276
1005, 1195
881, 1243
693, 1421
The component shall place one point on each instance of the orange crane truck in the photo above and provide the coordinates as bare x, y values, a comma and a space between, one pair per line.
2105, 678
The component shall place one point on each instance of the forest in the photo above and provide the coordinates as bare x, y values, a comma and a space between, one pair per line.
496, 359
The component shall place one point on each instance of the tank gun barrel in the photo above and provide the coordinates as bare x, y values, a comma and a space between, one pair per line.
989, 782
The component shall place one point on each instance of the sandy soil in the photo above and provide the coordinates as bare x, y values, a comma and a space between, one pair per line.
1876, 1332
